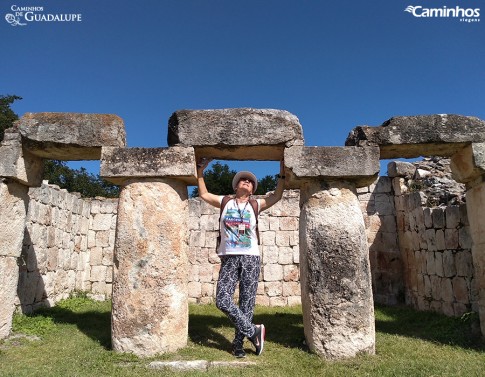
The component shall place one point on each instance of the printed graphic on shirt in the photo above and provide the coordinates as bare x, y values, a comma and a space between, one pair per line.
237, 229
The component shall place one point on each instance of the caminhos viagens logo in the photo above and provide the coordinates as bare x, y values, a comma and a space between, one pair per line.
457, 12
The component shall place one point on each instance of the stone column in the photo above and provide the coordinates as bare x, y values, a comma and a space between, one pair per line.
338, 309
13, 205
336, 286
468, 166
150, 299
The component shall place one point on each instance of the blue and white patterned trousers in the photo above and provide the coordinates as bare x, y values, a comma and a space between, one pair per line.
245, 269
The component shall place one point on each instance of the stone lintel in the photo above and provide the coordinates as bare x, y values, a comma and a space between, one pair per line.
235, 134
422, 135
17, 163
70, 136
359, 165
468, 164
121, 164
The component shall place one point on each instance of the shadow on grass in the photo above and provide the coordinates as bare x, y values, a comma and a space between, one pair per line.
94, 324
430, 326
285, 329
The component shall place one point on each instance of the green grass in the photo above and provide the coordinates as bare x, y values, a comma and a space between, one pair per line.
73, 339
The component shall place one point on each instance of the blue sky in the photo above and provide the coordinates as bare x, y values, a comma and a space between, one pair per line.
335, 65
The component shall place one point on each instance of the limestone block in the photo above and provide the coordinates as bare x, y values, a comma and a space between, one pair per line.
13, 205
285, 255
9, 275
452, 214
150, 296
70, 136
400, 169
468, 163
461, 290
440, 240
270, 254
449, 268
422, 135
277, 301
338, 309
18, 163
273, 288
101, 221
272, 272
399, 187
235, 134
291, 273
438, 217
359, 165
120, 164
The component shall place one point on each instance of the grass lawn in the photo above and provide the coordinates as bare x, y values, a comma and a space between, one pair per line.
73, 339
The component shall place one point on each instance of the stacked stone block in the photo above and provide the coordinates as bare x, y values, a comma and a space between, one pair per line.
67, 247
377, 205
279, 279
435, 246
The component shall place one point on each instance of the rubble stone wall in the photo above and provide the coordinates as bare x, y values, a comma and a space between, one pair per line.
419, 255
435, 247
68, 246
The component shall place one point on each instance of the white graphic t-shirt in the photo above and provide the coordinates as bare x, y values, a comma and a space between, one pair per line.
238, 229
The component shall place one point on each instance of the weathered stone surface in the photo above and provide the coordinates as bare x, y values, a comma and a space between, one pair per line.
9, 275
17, 163
475, 204
70, 136
422, 135
469, 163
13, 204
359, 165
338, 309
400, 169
150, 294
119, 164
235, 134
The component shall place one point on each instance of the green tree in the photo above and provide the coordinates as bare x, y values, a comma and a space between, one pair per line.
7, 115
218, 180
78, 180
266, 184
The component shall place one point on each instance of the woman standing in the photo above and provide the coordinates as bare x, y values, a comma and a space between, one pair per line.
239, 252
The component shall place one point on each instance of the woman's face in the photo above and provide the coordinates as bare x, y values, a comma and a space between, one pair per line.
246, 184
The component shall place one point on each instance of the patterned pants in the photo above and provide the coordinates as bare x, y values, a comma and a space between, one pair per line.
245, 269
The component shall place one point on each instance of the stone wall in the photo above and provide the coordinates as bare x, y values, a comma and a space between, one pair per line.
435, 246
68, 246
379, 213
422, 259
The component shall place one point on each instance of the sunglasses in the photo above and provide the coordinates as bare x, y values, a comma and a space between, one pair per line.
246, 180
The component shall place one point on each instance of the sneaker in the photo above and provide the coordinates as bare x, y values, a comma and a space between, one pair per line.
238, 352
258, 339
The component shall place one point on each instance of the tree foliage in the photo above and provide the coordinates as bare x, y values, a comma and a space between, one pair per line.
218, 180
7, 115
78, 180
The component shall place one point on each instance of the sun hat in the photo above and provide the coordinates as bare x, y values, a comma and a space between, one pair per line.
245, 174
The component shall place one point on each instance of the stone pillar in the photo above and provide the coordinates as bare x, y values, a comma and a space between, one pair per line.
150, 299
338, 309
13, 205
468, 166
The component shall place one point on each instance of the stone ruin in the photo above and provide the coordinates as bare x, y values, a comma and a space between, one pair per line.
150, 294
